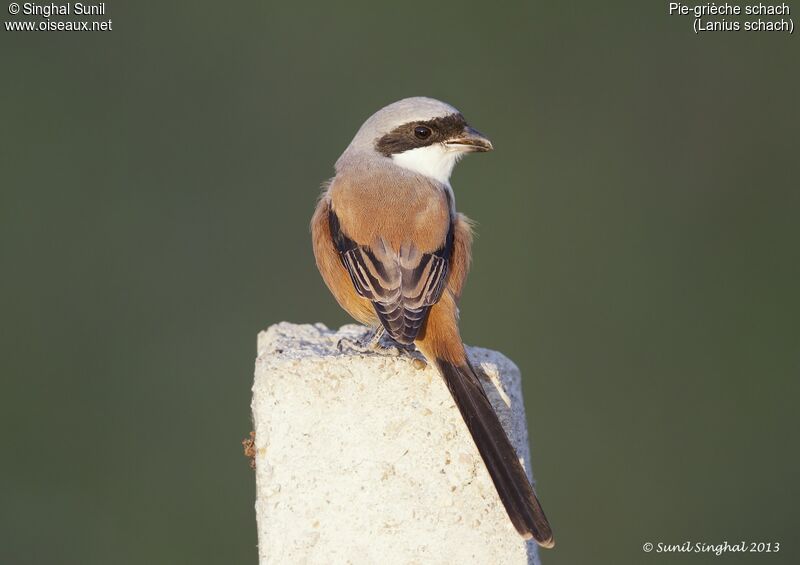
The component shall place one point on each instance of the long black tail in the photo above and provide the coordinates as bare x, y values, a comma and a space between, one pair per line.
498, 454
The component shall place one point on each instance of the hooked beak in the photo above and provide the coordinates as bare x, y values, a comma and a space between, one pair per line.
470, 140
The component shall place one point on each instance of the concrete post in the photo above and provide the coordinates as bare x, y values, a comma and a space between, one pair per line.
364, 458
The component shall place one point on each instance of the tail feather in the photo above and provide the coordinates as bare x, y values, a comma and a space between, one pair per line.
498, 454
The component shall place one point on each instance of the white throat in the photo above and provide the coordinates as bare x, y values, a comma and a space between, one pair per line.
434, 161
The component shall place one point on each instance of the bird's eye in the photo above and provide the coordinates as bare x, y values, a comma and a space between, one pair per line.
422, 132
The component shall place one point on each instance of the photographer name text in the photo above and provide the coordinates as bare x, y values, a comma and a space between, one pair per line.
73, 9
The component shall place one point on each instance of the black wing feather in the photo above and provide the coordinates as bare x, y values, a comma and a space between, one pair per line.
402, 285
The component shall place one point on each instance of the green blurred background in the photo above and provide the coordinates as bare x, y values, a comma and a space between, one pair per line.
642, 206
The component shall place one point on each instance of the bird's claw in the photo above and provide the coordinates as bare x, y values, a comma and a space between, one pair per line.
379, 342
368, 344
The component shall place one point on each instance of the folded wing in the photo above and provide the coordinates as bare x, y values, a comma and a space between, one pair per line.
401, 284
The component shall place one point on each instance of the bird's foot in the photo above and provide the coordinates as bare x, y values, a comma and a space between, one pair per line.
379, 342
419, 362
371, 343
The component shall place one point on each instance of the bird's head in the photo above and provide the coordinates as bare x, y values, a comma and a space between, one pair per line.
420, 134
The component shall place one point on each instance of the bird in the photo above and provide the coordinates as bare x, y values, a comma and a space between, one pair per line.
395, 253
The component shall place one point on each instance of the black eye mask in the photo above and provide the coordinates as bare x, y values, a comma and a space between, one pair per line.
403, 138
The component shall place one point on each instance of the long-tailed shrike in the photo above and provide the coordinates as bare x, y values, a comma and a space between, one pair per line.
395, 253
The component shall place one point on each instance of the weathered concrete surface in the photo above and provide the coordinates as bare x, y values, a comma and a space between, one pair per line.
364, 458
